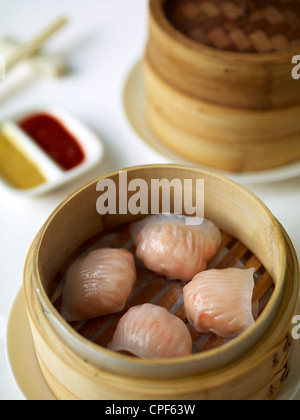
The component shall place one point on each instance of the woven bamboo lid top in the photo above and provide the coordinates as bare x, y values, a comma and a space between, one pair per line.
249, 26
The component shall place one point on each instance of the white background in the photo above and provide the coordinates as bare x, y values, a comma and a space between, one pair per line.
103, 41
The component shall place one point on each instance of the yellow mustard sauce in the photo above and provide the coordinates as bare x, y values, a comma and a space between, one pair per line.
16, 169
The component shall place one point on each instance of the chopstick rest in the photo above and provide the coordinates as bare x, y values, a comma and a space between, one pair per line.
32, 46
49, 65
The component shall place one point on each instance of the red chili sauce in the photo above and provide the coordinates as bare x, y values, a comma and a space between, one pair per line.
50, 134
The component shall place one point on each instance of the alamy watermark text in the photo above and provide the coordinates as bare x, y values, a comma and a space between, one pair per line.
296, 329
156, 196
296, 69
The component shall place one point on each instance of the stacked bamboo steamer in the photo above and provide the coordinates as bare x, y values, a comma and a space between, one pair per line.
253, 366
218, 82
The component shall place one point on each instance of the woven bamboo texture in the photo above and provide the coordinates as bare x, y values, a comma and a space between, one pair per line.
247, 26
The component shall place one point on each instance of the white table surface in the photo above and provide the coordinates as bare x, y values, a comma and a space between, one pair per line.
103, 41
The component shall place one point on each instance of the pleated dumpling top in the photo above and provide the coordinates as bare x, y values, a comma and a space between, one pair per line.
150, 331
170, 247
99, 284
220, 301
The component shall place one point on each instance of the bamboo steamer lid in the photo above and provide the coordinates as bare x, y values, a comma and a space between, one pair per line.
225, 138
230, 53
218, 81
242, 25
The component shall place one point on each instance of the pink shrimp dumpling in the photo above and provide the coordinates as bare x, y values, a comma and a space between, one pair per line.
220, 301
100, 284
150, 331
171, 248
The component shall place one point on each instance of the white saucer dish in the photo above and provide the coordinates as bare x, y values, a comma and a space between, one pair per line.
90, 143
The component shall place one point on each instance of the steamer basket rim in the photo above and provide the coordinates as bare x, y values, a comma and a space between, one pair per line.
156, 11
49, 309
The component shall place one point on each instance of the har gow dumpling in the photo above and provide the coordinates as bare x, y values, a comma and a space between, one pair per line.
220, 301
171, 248
150, 331
100, 284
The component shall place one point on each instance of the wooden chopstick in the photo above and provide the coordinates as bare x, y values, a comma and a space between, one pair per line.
32, 46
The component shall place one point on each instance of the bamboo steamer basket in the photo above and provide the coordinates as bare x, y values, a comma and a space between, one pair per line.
226, 107
257, 80
253, 366
221, 137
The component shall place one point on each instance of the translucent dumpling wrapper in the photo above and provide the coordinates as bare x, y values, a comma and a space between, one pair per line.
170, 247
150, 331
99, 284
220, 301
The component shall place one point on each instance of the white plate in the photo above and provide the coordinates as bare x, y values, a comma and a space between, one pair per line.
133, 102
29, 378
21, 354
90, 143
